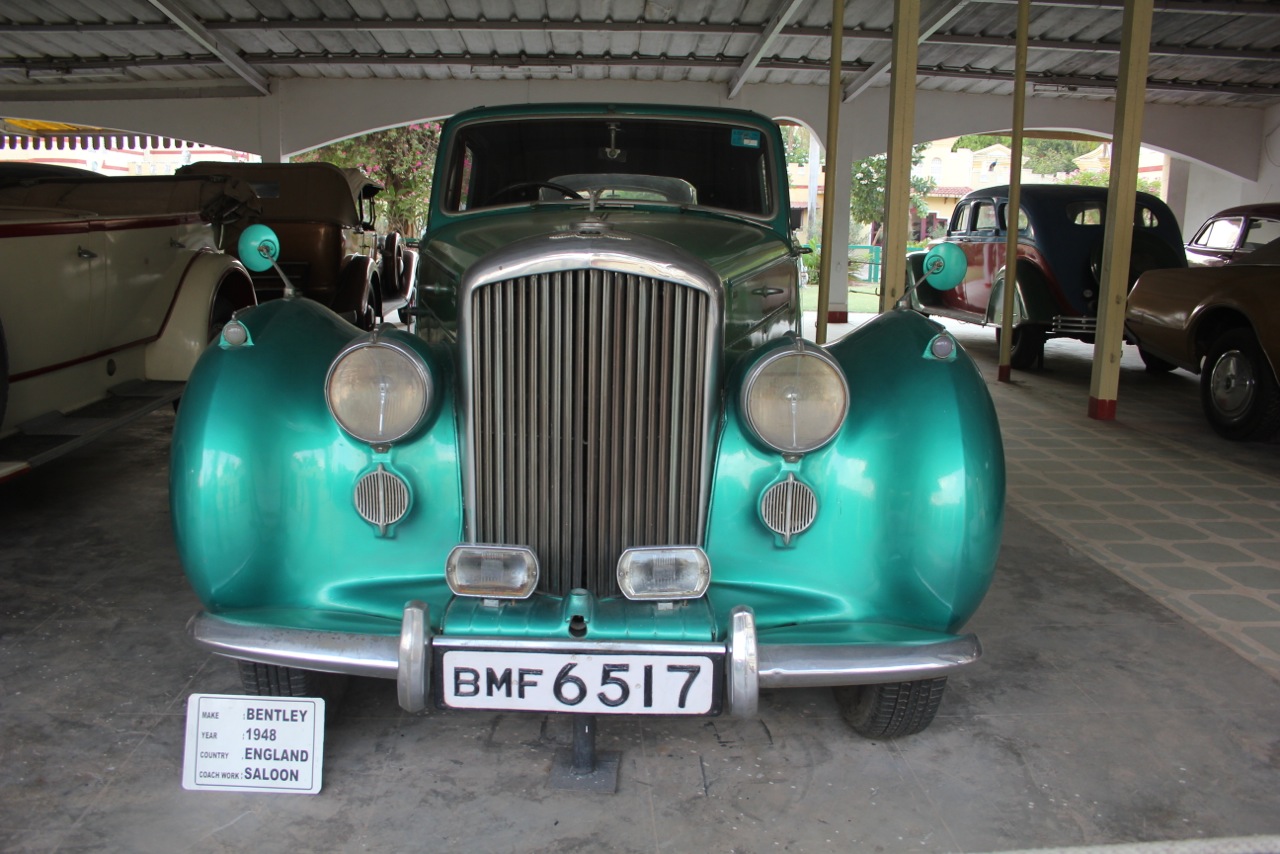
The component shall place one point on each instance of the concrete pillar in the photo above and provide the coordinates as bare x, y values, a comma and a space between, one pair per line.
902, 107
1104, 385
1015, 193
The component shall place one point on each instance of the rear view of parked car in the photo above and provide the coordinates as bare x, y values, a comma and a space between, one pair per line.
1222, 322
112, 289
331, 252
1060, 233
1229, 236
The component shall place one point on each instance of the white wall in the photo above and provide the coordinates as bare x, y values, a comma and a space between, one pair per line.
1209, 190
1228, 162
301, 114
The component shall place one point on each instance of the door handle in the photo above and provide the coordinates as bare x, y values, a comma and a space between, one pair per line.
86, 253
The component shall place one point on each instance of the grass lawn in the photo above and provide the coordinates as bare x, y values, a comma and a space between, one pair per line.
862, 298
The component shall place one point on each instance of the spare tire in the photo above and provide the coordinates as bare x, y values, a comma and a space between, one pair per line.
1147, 252
4, 373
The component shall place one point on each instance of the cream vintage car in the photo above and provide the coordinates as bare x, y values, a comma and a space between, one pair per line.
111, 289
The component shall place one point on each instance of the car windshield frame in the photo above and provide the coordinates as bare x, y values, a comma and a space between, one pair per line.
729, 165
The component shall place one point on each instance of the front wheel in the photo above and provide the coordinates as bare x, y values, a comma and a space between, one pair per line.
1027, 349
893, 709
1238, 389
273, 680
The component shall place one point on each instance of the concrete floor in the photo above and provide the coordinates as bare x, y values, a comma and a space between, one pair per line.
1129, 691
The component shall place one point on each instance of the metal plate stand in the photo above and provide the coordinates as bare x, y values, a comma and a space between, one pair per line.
581, 768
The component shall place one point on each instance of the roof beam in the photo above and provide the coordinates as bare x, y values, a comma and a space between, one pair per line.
772, 31
656, 28
934, 21
192, 26
567, 62
1188, 7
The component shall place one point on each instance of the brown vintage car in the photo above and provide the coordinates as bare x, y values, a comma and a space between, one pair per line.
329, 250
1223, 323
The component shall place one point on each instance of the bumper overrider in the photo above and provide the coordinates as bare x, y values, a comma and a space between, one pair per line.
740, 666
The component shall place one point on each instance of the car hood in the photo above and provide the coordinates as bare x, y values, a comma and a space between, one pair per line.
729, 245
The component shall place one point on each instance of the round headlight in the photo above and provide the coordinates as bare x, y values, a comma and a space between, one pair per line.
795, 399
378, 391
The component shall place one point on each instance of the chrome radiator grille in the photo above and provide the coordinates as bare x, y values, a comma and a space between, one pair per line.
589, 408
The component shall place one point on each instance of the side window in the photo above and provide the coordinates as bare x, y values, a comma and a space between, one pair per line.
1261, 232
466, 179
984, 219
959, 223
1145, 217
1085, 213
1024, 225
1220, 234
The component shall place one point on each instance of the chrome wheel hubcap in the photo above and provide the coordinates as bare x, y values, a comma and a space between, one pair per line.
1232, 384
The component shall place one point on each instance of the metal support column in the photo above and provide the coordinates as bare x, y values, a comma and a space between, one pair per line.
1015, 191
1121, 196
902, 108
834, 95
580, 767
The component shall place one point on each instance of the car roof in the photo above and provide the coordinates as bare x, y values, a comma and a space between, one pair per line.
308, 192
1267, 209
1055, 193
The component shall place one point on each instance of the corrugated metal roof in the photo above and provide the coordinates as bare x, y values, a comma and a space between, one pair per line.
1202, 53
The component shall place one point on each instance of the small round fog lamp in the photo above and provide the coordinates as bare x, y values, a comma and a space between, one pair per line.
795, 399
234, 333
942, 347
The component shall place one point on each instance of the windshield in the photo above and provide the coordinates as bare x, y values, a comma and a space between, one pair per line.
615, 160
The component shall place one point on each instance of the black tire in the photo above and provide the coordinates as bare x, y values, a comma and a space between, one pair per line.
891, 710
272, 680
1154, 364
1238, 389
4, 374
392, 266
219, 313
1027, 350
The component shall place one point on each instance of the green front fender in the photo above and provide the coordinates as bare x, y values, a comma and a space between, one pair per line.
910, 497
262, 481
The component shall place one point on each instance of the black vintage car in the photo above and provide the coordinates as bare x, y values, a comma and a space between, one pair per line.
1060, 231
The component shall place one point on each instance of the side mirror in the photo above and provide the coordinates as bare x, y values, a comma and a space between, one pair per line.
259, 248
945, 266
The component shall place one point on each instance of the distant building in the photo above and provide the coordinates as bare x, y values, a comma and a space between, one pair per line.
106, 152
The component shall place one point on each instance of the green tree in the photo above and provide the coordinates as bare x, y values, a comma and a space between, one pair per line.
1044, 156
1103, 179
870, 176
795, 140
401, 159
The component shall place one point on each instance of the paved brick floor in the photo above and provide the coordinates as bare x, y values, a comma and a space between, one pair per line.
1155, 496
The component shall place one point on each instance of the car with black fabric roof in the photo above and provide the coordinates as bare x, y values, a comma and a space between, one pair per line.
1060, 233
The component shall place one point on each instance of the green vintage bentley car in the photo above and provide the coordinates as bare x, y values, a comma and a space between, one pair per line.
601, 472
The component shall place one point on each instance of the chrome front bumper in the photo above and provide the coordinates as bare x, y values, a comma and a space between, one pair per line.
749, 666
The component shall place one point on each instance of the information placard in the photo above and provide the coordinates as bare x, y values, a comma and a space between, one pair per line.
254, 744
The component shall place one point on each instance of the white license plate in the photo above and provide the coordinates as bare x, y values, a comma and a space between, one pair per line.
582, 682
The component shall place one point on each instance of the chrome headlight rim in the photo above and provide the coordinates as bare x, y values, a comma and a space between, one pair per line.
799, 348
420, 369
